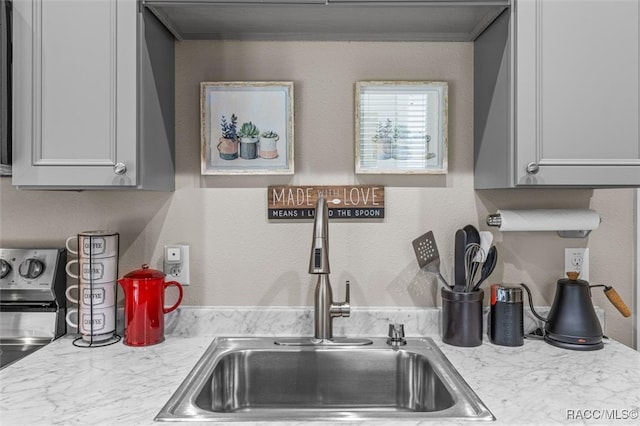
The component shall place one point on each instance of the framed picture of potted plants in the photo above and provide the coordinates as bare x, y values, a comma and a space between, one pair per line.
401, 127
246, 128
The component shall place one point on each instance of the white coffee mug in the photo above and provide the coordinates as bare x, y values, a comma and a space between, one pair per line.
95, 324
95, 271
96, 295
95, 244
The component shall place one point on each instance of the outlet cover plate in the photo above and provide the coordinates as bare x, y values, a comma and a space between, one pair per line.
577, 260
176, 263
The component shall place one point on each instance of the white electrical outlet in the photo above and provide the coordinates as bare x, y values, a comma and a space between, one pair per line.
176, 263
577, 260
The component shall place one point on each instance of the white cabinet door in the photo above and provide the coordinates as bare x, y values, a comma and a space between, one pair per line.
577, 92
75, 93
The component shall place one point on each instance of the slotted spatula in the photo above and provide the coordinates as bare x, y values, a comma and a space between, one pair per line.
428, 256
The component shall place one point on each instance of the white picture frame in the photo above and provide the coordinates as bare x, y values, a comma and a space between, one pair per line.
401, 127
268, 107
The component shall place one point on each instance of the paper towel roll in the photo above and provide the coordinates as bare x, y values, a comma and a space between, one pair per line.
549, 220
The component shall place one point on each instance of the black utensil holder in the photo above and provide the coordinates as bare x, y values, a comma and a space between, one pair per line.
462, 317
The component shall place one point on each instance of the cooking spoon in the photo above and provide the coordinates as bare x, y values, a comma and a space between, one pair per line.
473, 236
459, 280
488, 266
486, 240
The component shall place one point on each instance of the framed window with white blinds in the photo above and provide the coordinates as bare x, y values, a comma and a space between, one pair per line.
401, 127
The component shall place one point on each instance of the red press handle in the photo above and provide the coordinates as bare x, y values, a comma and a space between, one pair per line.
176, 284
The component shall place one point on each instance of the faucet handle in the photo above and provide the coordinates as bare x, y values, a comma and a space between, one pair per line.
342, 309
396, 335
345, 307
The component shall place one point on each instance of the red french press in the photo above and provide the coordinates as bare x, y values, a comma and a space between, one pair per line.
144, 306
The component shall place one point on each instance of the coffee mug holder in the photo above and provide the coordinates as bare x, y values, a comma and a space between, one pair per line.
96, 340
91, 343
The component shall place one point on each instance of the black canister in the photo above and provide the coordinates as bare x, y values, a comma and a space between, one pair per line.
506, 326
462, 317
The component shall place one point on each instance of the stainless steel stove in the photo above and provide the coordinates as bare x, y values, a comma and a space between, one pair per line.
32, 300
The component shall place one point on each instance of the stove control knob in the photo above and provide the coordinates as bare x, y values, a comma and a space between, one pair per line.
31, 268
5, 268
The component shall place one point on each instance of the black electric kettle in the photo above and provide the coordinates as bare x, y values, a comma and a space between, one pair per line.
572, 322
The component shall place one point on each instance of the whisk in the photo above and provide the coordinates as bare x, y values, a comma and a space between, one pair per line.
473, 257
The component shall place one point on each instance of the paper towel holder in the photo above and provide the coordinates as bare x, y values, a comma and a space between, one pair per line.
496, 221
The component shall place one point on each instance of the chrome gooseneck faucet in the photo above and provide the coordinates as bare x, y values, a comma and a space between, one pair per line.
325, 308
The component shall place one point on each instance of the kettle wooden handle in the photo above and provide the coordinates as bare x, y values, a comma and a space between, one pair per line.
617, 301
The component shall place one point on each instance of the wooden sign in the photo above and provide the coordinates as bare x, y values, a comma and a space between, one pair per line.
344, 202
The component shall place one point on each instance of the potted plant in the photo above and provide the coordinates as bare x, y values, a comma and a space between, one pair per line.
385, 139
403, 144
268, 144
248, 135
228, 143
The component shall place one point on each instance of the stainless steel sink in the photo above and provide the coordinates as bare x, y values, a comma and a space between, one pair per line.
250, 379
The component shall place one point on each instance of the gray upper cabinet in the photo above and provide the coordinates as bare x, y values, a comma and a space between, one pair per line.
93, 96
353, 20
557, 96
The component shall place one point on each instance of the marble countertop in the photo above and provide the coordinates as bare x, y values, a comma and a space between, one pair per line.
537, 383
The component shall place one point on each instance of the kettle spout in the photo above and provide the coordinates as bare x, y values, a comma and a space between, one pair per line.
533, 311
